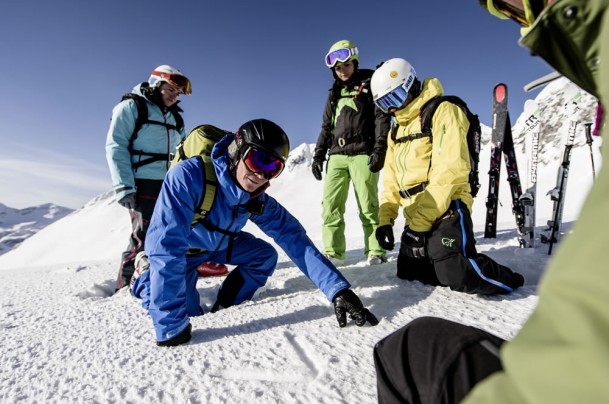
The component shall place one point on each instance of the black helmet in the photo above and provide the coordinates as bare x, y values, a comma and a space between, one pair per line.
259, 134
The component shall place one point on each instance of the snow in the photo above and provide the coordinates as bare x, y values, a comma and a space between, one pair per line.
67, 338
17, 225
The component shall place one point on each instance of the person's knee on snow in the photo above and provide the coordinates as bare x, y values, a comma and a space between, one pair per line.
243, 281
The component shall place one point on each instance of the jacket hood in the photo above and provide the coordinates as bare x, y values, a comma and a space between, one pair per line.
431, 88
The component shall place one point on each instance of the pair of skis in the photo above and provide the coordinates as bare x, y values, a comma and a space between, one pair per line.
523, 204
503, 144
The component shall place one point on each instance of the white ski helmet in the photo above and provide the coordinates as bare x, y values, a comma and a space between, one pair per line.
390, 83
171, 75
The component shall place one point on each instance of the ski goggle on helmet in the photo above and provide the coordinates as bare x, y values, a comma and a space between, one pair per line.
172, 76
524, 12
262, 146
262, 162
391, 82
341, 52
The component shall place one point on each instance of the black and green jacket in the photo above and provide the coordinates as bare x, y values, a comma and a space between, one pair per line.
352, 124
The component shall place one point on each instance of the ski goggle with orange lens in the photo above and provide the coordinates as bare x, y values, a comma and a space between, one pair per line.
262, 162
340, 55
523, 12
176, 80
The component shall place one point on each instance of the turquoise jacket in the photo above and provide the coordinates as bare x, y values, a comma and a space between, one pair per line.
152, 138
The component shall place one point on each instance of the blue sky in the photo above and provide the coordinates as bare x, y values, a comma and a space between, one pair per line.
65, 64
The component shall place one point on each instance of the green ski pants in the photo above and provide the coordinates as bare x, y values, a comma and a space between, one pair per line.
340, 170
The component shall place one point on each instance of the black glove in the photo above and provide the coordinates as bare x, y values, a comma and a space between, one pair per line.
128, 201
384, 235
413, 243
317, 168
347, 302
376, 160
181, 338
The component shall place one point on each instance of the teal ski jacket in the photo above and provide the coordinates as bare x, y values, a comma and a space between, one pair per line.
152, 138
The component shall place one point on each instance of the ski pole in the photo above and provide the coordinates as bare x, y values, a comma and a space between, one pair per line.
589, 141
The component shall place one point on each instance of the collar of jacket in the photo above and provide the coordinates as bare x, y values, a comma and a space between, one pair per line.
431, 88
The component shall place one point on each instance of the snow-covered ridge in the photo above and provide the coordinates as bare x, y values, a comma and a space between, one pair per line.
559, 102
16, 225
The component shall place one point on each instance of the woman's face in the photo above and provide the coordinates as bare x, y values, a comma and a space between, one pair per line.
169, 94
344, 71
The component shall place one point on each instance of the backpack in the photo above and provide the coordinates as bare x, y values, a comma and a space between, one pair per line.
473, 139
199, 143
141, 120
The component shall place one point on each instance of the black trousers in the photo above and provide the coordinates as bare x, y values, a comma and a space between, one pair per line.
146, 194
432, 360
452, 259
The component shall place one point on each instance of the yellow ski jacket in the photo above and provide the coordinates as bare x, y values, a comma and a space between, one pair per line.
443, 162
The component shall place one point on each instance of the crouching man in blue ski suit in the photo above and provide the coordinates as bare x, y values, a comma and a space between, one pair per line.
244, 163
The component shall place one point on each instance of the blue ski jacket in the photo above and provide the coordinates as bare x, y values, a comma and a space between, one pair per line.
152, 138
170, 236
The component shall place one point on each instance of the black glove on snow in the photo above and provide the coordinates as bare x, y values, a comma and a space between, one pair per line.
181, 338
317, 167
384, 235
413, 243
376, 160
347, 302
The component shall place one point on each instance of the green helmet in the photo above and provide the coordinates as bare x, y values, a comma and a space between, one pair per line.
342, 51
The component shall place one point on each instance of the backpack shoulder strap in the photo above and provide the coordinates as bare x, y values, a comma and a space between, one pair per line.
427, 113
142, 114
430, 109
211, 185
207, 201
179, 120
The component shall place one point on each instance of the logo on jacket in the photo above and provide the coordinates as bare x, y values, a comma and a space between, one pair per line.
448, 242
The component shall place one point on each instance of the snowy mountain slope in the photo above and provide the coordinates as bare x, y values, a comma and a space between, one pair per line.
67, 338
16, 225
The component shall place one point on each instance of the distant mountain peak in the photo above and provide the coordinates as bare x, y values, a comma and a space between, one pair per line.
301, 155
16, 225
